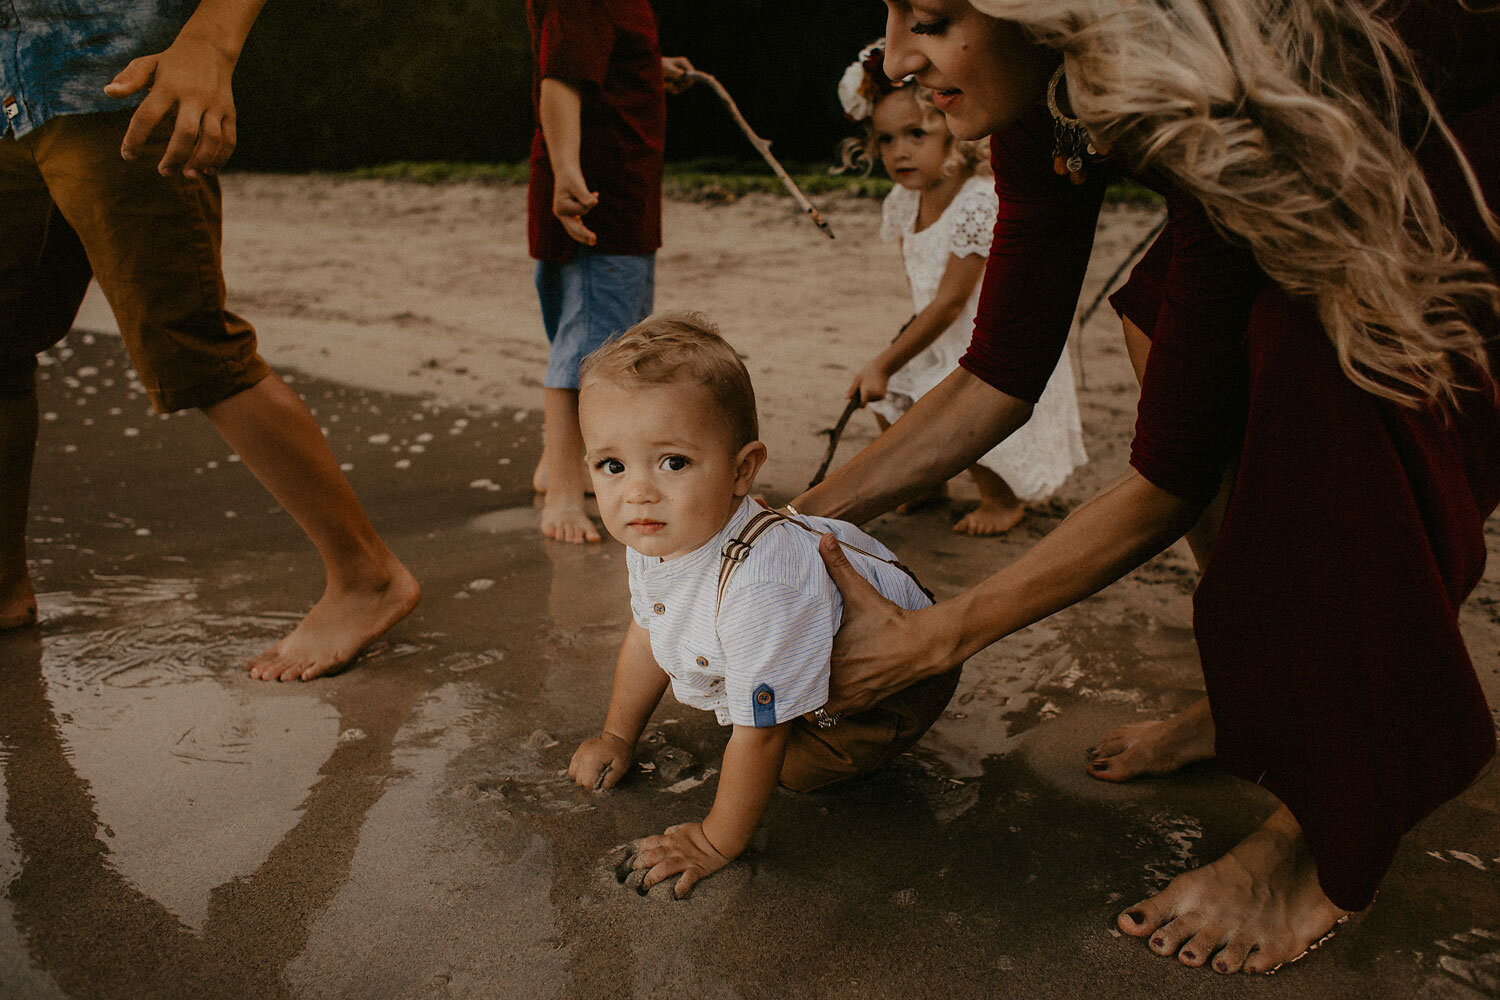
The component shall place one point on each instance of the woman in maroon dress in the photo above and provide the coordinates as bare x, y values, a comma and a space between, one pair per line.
1318, 410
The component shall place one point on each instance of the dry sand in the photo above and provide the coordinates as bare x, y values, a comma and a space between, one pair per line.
171, 828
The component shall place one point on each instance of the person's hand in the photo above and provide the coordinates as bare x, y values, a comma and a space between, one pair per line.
674, 73
869, 385
599, 763
880, 647
192, 76
571, 201
682, 850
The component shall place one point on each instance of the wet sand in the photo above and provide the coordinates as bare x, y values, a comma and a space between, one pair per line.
170, 828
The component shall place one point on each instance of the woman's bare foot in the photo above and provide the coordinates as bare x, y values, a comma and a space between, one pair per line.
343, 622
1253, 910
17, 604
1161, 747
989, 519
567, 521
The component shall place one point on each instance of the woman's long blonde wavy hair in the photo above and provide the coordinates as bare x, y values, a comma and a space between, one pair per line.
1284, 118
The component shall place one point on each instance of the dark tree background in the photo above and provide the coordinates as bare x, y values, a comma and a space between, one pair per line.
346, 83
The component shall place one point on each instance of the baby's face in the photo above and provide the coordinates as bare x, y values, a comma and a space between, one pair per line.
664, 465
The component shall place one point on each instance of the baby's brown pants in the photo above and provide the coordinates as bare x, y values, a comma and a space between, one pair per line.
860, 743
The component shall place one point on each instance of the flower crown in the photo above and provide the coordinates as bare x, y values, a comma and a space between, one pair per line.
864, 83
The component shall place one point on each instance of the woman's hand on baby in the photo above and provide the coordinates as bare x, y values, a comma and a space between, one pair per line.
682, 850
599, 763
869, 385
880, 647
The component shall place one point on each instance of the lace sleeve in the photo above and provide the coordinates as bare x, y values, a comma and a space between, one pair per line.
974, 223
898, 213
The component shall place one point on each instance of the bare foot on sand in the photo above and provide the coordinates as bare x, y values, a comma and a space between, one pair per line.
1253, 910
1150, 748
989, 519
342, 623
17, 604
567, 522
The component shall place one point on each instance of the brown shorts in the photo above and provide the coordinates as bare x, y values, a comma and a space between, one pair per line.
861, 743
73, 209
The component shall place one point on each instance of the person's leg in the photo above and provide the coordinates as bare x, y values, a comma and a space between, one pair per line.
563, 515
999, 508
1255, 909
367, 588
43, 277
1162, 746
18, 427
154, 246
596, 296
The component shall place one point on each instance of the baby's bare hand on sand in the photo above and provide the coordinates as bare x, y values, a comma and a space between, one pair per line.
601, 762
682, 850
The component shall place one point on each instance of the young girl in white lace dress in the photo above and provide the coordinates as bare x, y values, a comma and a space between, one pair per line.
942, 211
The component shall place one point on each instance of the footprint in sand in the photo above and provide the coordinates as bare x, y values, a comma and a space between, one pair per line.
1473, 958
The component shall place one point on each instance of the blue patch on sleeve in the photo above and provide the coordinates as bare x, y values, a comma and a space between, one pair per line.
763, 703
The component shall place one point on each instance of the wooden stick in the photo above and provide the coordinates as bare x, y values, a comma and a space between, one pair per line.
833, 439
762, 146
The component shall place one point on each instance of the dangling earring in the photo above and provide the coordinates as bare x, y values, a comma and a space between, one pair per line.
1071, 142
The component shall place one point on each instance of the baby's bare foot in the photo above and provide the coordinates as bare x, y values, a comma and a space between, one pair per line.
1253, 910
17, 604
341, 624
567, 521
1150, 748
989, 519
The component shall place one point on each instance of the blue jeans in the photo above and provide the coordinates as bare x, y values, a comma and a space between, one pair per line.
588, 300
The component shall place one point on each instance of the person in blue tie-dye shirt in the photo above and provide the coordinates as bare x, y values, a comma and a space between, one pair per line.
118, 114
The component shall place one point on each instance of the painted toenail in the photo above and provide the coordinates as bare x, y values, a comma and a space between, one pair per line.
1189, 956
1136, 916
1222, 966
1158, 943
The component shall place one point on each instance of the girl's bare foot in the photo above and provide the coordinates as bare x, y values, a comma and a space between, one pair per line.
1253, 910
999, 508
567, 521
17, 604
343, 622
989, 519
1161, 747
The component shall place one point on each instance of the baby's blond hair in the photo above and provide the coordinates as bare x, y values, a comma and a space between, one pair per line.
672, 347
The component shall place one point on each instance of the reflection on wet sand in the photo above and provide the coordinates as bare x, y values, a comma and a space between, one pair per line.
173, 829
94, 930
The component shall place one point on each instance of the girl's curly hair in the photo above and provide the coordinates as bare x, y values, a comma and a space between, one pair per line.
859, 154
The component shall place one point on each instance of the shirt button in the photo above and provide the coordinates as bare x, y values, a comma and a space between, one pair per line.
660, 609
702, 661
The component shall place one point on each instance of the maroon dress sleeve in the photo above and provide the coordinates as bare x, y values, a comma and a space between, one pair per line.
1194, 392
1044, 234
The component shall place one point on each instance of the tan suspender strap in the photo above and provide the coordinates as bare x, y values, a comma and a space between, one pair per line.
738, 547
